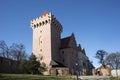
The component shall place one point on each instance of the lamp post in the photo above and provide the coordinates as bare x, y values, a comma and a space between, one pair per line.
77, 70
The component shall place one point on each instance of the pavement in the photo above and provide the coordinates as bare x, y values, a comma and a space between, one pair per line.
92, 77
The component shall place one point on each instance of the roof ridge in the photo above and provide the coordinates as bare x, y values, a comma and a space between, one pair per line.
67, 37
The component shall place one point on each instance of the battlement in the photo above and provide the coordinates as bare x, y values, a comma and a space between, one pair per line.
45, 18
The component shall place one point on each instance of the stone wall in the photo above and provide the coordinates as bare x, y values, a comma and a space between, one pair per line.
59, 71
105, 72
102, 70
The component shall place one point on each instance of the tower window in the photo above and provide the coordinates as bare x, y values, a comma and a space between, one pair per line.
37, 25
34, 26
43, 23
40, 24
40, 31
46, 21
40, 41
40, 50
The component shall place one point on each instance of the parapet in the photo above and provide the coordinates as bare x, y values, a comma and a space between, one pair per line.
45, 18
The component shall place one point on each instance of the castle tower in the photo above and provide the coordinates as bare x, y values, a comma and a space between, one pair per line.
46, 38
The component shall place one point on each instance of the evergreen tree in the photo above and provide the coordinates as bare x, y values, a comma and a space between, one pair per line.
24, 66
33, 64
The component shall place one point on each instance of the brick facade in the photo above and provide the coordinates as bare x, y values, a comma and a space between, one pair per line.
8, 66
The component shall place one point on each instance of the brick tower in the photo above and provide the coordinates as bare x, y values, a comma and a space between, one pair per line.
46, 38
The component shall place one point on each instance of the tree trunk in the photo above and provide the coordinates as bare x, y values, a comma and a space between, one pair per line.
116, 73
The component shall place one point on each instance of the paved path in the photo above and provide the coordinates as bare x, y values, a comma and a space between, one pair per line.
93, 77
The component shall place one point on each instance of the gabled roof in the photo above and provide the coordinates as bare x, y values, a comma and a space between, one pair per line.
53, 63
56, 64
65, 42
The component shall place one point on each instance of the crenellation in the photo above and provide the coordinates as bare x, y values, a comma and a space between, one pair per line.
38, 24
41, 17
46, 18
57, 25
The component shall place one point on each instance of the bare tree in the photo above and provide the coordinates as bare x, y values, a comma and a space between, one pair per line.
4, 50
18, 52
101, 55
113, 60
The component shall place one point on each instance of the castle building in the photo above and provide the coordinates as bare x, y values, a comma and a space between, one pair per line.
52, 50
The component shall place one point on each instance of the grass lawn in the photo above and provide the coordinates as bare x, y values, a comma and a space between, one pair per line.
31, 77
114, 78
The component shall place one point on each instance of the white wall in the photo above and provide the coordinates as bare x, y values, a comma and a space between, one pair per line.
113, 72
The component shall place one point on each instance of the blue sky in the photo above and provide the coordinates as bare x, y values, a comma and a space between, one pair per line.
95, 23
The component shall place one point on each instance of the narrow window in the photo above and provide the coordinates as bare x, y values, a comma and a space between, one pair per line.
34, 26
37, 25
40, 24
46, 21
43, 23
40, 50
40, 31
63, 60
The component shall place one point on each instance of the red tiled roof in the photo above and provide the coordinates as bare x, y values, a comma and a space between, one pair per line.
65, 42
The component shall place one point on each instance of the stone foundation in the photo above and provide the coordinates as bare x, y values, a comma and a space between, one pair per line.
59, 71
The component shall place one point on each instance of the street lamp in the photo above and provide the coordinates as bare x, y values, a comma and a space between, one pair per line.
77, 70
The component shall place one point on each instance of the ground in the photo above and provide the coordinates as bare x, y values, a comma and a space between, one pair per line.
32, 77
40, 77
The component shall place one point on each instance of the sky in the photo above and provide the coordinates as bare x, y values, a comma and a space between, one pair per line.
95, 23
